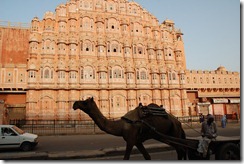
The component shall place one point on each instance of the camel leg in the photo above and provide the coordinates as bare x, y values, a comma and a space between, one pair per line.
144, 152
181, 153
128, 151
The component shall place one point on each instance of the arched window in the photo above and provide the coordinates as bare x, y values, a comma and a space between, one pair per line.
82, 74
140, 50
88, 73
87, 24
114, 47
46, 74
173, 76
32, 74
72, 75
143, 75
87, 45
134, 49
61, 48
170, 76
61, 74
116, 73
195, 80
112, 24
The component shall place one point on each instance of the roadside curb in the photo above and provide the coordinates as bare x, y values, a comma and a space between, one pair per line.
23, 156
84, 154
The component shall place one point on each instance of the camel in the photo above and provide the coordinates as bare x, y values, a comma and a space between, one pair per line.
136, 132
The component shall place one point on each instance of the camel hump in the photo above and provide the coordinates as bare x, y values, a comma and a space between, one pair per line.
133, 115
145, 111
153, 105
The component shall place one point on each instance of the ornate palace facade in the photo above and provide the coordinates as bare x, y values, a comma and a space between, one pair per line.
112, 50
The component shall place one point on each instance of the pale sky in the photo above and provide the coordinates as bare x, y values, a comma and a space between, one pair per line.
211, 28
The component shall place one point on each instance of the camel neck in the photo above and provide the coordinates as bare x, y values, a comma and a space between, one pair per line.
106, 125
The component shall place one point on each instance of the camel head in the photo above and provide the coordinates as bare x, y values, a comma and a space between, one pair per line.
85, 105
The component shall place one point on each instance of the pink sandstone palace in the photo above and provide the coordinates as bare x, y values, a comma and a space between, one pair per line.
112, 50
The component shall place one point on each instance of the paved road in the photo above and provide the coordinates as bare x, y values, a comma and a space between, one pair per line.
101, 141
88, 143
155, 156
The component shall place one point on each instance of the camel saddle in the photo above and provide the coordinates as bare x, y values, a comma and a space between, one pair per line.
143, 112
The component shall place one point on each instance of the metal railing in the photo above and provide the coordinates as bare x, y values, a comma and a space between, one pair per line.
57, 127
68, 127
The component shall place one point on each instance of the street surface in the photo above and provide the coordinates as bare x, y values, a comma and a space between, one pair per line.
101, 141
156, 156
164, 155
171, 155
104, 141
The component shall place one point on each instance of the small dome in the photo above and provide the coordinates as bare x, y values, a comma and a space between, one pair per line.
221, 68
49, 15
35, 19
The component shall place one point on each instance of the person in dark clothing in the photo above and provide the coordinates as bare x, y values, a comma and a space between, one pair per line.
201, 118
209, 133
